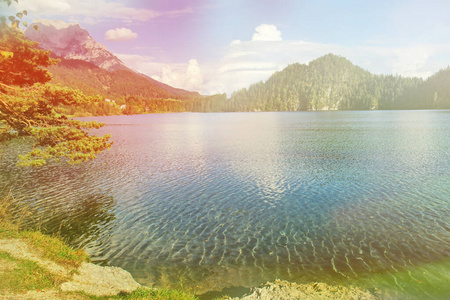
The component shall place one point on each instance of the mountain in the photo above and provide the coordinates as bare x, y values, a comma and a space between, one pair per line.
331, 82
71, 41
90, 67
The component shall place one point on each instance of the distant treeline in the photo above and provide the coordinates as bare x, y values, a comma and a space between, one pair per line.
132, 105
328, 83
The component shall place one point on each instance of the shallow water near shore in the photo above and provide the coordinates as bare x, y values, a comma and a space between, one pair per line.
213, 201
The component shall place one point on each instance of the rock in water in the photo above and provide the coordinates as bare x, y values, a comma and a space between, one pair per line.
284, 290
100, 281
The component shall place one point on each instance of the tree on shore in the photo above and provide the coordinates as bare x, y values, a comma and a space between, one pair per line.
29, 105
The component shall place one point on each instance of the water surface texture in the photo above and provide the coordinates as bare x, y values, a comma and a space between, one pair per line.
235, 199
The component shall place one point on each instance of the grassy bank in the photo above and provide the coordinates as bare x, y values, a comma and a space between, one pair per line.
21, 275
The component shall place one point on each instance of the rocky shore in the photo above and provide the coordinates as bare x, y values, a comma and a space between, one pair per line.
108, 281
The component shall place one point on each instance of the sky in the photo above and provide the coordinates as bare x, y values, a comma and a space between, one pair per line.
217, 46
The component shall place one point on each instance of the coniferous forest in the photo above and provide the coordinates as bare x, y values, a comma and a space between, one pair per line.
334, 83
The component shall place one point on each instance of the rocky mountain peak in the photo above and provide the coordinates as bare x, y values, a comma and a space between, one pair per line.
71, 41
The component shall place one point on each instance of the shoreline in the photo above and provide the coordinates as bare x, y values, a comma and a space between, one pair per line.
98, 281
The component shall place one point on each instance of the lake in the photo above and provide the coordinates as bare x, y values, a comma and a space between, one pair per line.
232, 200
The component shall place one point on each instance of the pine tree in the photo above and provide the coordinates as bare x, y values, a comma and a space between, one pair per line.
29, 107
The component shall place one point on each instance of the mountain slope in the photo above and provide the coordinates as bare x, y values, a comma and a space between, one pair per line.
89, 66
94, 80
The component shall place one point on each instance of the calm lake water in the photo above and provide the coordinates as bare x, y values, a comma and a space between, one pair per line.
213, 201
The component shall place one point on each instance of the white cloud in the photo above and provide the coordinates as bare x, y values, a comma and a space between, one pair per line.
193, 76
266, 32
92, 11
409, 61
177, 13
187, 76
120, 34
53, 6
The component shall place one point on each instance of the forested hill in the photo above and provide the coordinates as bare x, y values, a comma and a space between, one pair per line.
333, 83
93, 80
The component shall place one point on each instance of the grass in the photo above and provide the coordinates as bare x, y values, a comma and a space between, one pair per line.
156, 294
55, 249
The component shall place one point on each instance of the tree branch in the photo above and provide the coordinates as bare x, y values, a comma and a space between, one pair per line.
7, 86
20, 118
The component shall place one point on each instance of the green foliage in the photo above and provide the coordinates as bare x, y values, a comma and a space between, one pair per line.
34, 112
212, 103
